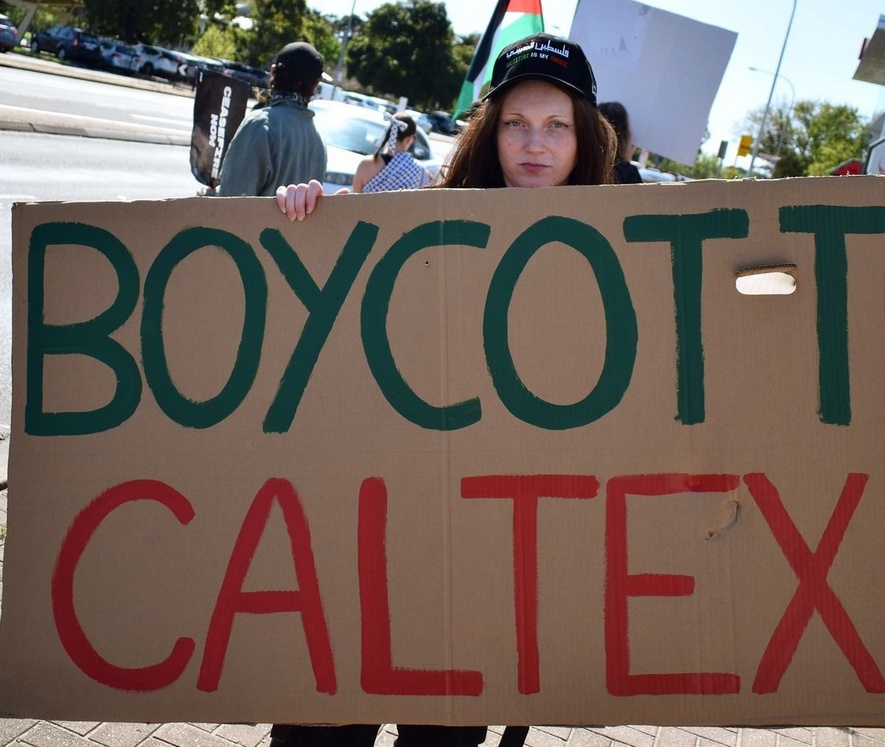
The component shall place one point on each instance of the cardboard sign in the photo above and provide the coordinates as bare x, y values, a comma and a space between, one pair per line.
668, 93
461, 457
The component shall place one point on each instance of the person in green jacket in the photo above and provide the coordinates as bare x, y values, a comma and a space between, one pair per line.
278, 143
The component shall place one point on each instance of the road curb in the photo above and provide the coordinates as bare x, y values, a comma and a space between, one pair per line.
93, 132
51, 123
28, 61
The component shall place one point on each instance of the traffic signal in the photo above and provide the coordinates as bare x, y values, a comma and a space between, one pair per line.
744, 147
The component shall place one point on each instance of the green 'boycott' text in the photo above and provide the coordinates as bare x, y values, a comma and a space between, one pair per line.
683, 234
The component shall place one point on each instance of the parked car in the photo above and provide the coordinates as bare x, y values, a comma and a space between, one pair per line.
68, 43
421, 119
442, 122
651, 174
353, 132
8, 34
118, 56
193, 63
255, 77
164, 63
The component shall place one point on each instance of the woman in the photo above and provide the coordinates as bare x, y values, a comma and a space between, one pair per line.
616, 114
392, 167
538, 126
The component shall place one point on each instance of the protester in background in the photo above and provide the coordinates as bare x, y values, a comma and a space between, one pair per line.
616, 114
392, 167
538, 126
278, 143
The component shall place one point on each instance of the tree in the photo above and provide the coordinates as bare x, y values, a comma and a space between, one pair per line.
320, 32
388, 59
217, 42
276, 23
166, 22
810, 139
706, 166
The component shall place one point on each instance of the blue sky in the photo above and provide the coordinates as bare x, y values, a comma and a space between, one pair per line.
819, 62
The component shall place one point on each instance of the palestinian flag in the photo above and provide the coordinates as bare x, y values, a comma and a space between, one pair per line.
512, 20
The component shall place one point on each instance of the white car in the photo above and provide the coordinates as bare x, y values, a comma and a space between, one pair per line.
353, 132
118, 56
421, 119
164, 63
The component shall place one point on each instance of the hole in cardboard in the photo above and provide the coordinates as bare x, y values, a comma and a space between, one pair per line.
774, 280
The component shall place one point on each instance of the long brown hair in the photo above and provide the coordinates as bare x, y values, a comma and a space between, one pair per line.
474, 160
616, 114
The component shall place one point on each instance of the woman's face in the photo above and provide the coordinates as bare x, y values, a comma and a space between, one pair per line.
537, 144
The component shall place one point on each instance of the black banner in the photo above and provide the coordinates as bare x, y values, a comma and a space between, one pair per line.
219, 107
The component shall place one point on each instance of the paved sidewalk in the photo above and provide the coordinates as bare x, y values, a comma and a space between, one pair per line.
35, 733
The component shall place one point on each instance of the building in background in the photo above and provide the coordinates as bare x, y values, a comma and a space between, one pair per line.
871, 69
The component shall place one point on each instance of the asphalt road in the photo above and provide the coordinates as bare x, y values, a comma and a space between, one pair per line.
51, 122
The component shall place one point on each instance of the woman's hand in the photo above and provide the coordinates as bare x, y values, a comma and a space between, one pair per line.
299, 200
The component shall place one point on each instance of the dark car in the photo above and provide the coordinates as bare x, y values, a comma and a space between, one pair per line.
7, 34
194, 63
254, 76
442, 123
68, 43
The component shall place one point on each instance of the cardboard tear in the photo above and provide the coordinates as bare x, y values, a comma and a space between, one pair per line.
734, 508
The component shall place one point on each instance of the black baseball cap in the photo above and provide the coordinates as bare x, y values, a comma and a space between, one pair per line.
301, 60
548, 57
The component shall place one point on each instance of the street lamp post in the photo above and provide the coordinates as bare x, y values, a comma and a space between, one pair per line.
339, 70
780, 141
777, 71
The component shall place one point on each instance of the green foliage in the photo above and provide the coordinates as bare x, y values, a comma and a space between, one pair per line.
319, 32
463, 55
387, 59
43, 18
283, 21
15, 13
166, 22
705, 167
810, 139
217, 42
220, 8
789, 164
277, 23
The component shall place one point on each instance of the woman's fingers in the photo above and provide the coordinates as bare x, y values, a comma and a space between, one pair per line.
299, 200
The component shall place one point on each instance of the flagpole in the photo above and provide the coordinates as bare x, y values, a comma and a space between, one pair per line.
339, 70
